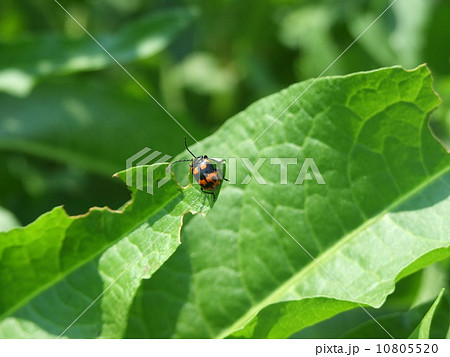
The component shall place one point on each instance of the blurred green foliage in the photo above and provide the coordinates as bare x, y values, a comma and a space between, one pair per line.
65, 104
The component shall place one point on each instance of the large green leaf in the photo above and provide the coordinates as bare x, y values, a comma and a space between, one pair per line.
42, 254
381, 214
34, 58
431, 318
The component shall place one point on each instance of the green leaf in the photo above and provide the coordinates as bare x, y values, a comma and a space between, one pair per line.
396, 314
404, 322
381, 214
42, 254
423, 329
35, 58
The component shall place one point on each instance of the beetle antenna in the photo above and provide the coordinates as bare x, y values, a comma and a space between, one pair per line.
187, 148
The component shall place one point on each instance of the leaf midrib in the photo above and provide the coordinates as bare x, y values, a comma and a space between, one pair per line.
288, 284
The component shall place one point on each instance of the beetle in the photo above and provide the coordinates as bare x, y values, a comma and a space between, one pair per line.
206, 172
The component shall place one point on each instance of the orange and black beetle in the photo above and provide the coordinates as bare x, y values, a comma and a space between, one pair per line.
205, 171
